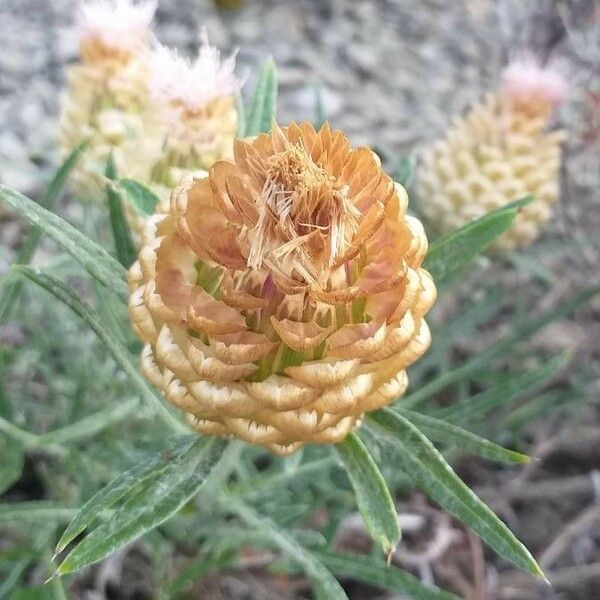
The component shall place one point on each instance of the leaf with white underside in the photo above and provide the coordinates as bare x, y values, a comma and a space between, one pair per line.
173, 481
372, 494
129, 481
429, 471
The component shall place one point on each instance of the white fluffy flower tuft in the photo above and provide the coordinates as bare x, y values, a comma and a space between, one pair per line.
192, 84
525, 78
118, 24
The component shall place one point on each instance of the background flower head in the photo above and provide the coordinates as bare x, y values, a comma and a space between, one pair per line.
120, 25
189, 84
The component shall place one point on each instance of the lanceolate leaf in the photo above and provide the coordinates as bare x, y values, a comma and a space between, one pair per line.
68, 296
372, 495
326, 586
140, 196
35, 511
127, 483
453, 251
91, 425
146, 508
29, 245
97, 261
319, 107
464, 440
264, 103
380, 575
512, 387
405, 170
428, 470
124, 245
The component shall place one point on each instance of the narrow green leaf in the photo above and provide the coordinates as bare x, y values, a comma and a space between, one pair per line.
126, 251
365, 569
264, 103
511, 388
453, 251
91, 425
197, 569
464, 440
521, 331
428, 470
326, 587
92, 257
372, 495
13, 289
319, 107
38, 592
34, 511
405, 170
139, 195
11, 462
126, 483
149, 506
68, 296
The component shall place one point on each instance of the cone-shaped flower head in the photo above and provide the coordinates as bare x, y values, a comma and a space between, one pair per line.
191, 121
499, 152
107, 88
282, 296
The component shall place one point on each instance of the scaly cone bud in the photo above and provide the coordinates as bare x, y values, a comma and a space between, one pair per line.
282, 296
107, 88
191, 121
499, 152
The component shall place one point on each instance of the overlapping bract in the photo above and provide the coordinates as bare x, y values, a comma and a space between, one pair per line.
282, 296
107, 88
499, 152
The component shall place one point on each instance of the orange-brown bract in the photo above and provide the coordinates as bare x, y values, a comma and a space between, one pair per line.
282, 296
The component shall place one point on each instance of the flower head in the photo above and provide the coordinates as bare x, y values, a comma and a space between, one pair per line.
500, 151
190, 85
114, 26
524, 79
282, 296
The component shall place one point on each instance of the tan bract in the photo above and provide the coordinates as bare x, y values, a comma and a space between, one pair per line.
498, 153
282, 296
107, 89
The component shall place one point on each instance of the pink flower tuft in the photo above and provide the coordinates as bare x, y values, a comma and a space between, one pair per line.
192, 83
526, 79
118, 24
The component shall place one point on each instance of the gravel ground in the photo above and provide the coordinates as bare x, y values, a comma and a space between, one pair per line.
392, 73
